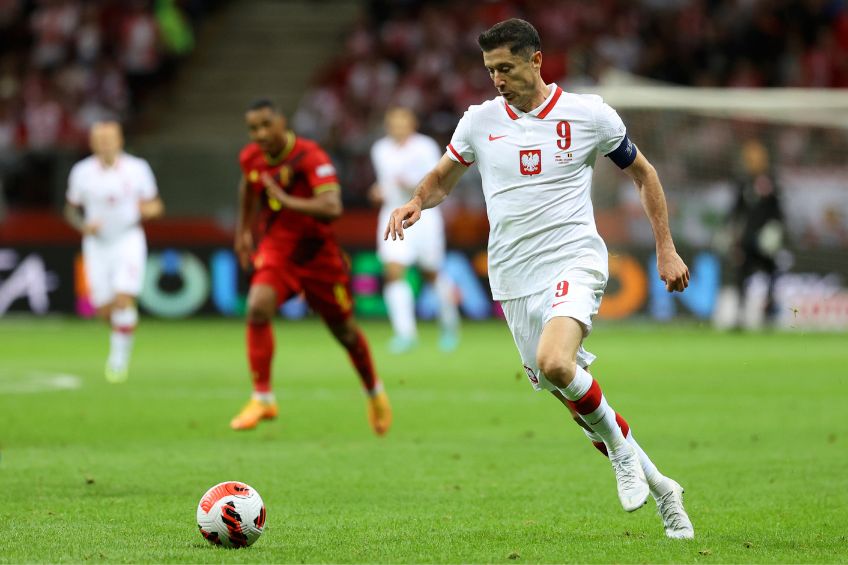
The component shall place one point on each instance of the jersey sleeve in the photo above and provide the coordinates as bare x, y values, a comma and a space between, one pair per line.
461, 148
249, 171
74, 194
147, 189
612, 137
320, 172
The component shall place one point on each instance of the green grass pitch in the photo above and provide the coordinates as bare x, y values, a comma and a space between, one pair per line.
477, 468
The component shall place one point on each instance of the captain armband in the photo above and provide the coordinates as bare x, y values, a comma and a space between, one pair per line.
625, 154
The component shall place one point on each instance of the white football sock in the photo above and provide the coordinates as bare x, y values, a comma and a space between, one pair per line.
123, 321
602, 419
401, 305
656, 480
448, 312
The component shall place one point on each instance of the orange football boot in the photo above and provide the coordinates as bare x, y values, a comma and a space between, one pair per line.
380, 413
254, 411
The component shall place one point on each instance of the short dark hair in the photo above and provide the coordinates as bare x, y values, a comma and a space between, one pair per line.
519, 35
261, 103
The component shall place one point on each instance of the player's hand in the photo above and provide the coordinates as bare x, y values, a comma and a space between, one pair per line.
244, 248
673, 271
402, 218
91, 228
273, 189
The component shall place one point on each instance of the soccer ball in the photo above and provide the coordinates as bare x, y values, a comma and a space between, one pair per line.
231, 514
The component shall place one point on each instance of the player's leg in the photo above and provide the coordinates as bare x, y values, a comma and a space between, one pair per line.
667, 493
123, 318
396, 256
571, 302
262, 301
350, 336
128, 256
448, 312
430, 250
400, 303
334, 303
656, 480
557, 360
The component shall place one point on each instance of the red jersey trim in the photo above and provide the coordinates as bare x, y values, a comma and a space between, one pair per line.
546, 110
509, 111
459, 157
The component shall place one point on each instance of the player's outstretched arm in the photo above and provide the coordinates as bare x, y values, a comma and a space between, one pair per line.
671, 268
433, 188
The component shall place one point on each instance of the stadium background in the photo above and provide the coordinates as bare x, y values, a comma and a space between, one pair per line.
475, 469
692, 80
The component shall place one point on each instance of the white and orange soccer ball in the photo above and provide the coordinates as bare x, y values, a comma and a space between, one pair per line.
231, 514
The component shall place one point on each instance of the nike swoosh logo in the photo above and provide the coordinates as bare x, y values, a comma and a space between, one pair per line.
494, 137
555, 304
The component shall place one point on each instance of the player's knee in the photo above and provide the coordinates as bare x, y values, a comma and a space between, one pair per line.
261, 304
257, 314
560, 371
393, 272
259, 311
124, 301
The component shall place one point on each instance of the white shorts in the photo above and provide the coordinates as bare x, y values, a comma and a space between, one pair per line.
423, 243
114, 266
575, 293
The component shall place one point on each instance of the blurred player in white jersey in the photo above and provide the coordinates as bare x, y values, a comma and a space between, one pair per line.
109, 194
400, 160
536, 147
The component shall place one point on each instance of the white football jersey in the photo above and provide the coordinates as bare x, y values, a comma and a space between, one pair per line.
537, 170
111, 195
399, 167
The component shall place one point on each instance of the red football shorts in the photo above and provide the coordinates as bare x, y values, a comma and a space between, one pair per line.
324, 282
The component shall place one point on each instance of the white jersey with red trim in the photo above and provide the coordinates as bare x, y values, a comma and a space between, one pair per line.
111, 195
537, 170
399, 167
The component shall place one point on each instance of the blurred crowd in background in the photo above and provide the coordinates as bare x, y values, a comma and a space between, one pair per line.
65, 64
424, 55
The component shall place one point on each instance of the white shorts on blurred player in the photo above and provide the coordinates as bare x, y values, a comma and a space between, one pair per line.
114, 266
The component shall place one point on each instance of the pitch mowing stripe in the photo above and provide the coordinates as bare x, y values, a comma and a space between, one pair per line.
33, 383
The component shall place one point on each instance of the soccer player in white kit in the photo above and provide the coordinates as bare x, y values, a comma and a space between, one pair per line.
400, 160
109, 194
536, 147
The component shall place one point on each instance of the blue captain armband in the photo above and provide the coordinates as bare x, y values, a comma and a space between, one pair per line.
625, 154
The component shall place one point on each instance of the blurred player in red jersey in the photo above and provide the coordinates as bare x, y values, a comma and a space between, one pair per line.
289, 195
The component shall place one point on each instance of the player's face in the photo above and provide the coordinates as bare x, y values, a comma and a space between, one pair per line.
513, 75
106, 140
400, 124
267, 129
755, 157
